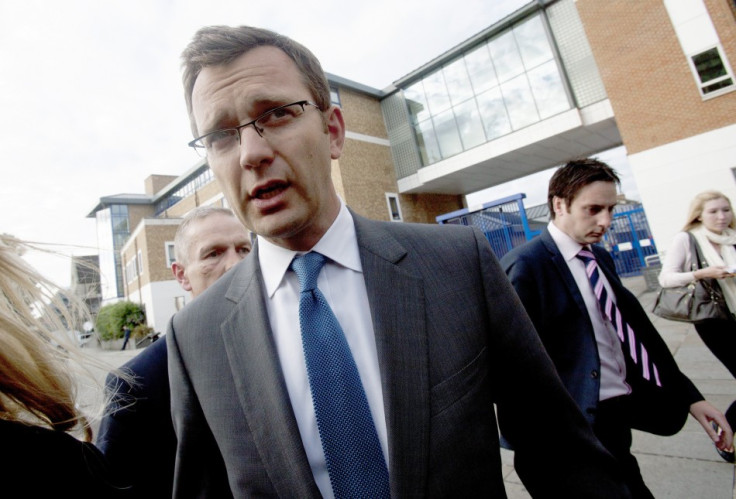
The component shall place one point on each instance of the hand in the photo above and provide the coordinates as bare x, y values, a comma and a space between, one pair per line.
713, 273
705, 414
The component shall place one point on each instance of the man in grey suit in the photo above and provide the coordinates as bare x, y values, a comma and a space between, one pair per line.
433, 330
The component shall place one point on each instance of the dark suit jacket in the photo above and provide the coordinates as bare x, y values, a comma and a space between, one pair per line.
452, 339
547, 289
41, 462
137, 435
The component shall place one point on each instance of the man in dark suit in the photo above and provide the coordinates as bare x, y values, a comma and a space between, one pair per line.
419, 321
136, 434
620, 377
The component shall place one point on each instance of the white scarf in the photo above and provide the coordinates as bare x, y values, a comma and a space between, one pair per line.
726, 257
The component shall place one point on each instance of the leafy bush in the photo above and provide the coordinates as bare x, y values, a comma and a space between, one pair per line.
141, 331
112, 318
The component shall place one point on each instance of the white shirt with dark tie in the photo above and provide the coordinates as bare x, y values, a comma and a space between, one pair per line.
613, 364
343, 285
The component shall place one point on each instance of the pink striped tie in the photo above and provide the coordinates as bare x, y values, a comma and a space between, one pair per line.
610, 311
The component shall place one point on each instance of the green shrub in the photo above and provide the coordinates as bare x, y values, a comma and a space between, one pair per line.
141, 331
112, 318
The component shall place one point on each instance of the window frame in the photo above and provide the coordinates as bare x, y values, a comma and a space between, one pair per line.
704, 85
395, 197
169, 253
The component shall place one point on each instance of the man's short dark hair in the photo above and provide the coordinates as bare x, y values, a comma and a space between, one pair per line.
221, 45
569, 179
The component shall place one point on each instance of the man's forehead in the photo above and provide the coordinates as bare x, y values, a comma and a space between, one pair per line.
597, 193
261, 75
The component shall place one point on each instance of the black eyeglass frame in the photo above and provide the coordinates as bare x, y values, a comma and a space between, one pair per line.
198, 144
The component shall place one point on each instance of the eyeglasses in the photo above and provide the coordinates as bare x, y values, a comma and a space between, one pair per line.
269, 124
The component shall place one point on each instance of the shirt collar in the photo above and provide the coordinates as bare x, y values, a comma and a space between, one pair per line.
339, 244
569, 248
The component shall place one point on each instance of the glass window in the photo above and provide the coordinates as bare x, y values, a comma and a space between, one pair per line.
458, 82
170, 254
493, 113
480, 69
506, 57
496, 87
533, 42
394, 208
334, 96
519, 102
549, 92
428, 147
447, 135
437, 98
417, 102
712, 71
469, 124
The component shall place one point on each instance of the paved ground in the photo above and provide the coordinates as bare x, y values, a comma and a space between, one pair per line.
684, 466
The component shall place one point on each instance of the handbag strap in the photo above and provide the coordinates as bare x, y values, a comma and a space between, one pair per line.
698, 262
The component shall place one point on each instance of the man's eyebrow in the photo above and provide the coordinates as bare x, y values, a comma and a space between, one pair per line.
226, 118
209, 247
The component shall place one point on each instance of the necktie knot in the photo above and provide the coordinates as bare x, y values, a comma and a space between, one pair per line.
586, 255
307, 268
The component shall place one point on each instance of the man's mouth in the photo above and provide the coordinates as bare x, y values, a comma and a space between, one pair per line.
270, 190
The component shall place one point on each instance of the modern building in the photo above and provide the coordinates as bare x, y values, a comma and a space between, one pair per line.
85, 282
667, 69
557, 79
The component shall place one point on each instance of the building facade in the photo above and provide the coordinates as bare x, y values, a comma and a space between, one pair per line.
666, 66
555, 80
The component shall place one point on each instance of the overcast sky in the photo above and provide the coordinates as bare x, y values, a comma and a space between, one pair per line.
91, 100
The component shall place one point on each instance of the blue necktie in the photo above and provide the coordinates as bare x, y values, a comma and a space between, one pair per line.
610, 311
353, 453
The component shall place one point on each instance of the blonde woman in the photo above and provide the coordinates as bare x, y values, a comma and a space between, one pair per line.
712, 223
39, 416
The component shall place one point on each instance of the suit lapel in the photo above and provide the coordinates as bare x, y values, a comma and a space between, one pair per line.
564, 271
397, 309
261, 387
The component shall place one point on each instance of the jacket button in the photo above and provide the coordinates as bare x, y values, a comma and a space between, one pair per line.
594, 374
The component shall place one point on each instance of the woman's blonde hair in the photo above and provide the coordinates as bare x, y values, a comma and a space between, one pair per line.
39, 365
696, 209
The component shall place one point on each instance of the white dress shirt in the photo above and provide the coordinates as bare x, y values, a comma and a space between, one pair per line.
613, 364
341, 282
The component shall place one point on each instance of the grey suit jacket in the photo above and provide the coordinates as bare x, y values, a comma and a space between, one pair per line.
452, 340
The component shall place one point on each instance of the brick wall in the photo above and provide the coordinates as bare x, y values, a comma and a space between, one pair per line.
647, 77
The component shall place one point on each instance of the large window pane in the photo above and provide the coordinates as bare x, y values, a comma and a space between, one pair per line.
496, 87
427, 141
519, 101
506, 57
414, 96
458, 82
709, 65
533, 42
447, 135
437, 98
480, 69
469, 124
548, 90
493, 113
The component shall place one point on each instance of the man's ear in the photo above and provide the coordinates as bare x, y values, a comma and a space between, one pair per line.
558, 204
181, 276
336, 129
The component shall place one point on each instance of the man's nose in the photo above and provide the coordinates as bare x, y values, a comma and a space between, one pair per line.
605, 218
232, 257
255, 150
